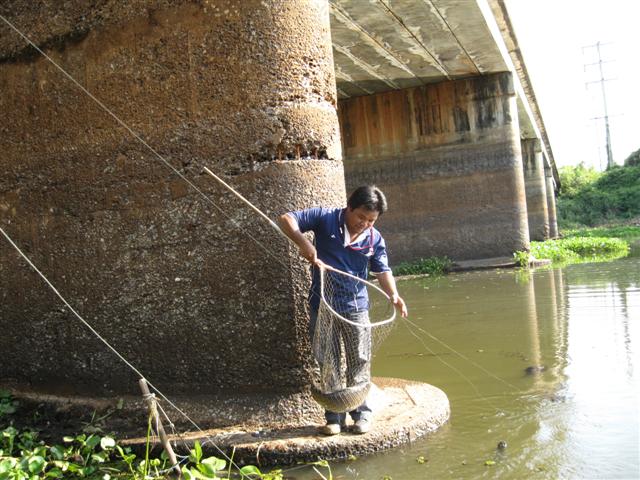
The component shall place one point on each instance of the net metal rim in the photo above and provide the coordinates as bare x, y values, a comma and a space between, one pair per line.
366, 282
343, 400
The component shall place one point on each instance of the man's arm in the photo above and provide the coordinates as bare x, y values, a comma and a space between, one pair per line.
289, 226
388, 284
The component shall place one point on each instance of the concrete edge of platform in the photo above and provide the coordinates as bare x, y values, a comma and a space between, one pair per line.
484, 264
403, 411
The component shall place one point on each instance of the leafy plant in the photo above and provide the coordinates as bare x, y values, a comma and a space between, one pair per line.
575, 249
431, 265
7, 404
522, 258
91, 456
214, 468
23, 456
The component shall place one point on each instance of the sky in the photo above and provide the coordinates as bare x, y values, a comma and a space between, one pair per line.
552, 34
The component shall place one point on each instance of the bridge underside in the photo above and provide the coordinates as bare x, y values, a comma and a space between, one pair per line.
432, 109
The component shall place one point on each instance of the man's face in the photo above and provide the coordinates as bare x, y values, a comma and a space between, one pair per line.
359, 219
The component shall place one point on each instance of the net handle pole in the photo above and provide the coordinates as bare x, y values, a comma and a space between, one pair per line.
277, 228
261, 213
255, 209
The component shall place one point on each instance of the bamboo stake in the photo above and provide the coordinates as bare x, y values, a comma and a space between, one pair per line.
151, 403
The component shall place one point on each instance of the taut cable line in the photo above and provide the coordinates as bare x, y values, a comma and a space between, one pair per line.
110, 347
464, 357
140, 139
68, 305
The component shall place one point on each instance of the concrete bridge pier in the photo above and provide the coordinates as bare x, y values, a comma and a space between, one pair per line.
535, 185
551, 201
449, 155
203, 300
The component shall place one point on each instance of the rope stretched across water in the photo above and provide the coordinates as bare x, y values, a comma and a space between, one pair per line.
105, 342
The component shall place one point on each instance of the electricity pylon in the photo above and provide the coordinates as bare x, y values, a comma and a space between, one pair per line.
602, 81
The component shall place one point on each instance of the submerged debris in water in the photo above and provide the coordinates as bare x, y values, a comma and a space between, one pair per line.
535, 369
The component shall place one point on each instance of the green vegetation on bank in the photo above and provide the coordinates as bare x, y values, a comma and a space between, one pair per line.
424, 266
24, 457
590, 198
629, 233
633, 159
596, 215
580, 249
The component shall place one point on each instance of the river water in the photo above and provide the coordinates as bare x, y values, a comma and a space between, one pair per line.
475, 334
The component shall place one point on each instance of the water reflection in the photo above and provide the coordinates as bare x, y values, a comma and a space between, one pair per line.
576, 418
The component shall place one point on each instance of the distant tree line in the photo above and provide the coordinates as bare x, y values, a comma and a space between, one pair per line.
590, 198
633, 159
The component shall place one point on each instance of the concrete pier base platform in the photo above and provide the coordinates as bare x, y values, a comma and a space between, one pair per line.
258, 429
495, 262
403, 411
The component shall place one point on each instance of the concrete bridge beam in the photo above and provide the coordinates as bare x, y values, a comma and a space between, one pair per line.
535, 186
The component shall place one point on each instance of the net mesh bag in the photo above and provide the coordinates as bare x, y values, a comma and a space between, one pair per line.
354, 317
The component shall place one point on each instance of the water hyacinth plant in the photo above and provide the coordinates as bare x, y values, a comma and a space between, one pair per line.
429, 266
95, 456
580, 249
24, 457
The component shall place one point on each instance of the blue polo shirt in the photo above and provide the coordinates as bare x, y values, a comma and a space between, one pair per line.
327, 224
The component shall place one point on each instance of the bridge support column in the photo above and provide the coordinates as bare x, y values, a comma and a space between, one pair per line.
535, 186
551, 202
448, 155
202, 299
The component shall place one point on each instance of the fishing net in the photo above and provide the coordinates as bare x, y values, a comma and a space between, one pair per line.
354, 317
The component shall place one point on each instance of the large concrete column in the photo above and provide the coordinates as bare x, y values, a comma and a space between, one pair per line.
535, 186
201, 299
551, 202
448, 155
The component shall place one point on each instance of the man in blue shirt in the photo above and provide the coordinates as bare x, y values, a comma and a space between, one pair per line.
345, 239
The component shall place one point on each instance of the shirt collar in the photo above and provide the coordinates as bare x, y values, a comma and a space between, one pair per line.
346, 236
345, 231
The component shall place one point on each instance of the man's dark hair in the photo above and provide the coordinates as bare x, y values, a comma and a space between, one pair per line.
369, 197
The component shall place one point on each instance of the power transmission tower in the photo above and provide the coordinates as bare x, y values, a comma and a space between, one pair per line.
602, 81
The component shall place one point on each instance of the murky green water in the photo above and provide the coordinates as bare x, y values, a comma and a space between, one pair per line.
577, 419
